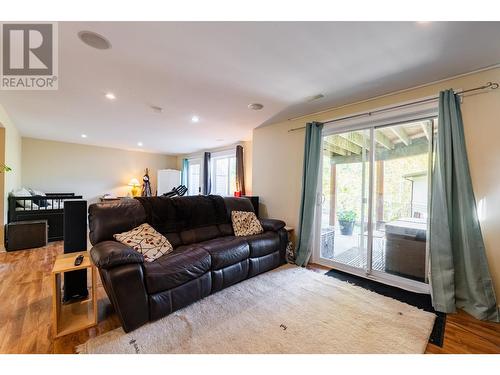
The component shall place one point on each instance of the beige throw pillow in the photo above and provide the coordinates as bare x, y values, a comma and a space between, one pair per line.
145, 240
245, 223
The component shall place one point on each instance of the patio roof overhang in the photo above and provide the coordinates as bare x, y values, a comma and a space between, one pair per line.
391, 143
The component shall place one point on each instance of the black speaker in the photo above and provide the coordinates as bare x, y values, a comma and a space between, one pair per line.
75, 240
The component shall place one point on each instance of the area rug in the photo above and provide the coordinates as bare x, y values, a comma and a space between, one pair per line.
287, 310
420, 300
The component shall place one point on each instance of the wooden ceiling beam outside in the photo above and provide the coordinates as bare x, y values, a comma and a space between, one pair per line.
401, 134
334, 149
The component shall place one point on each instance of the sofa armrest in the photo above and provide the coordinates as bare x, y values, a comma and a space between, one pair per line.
126, 290
109, 254
272, 224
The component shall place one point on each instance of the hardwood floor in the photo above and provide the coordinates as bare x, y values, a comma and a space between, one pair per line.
26, 305
25, 312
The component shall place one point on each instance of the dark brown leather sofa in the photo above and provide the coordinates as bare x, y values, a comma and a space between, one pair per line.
207, 257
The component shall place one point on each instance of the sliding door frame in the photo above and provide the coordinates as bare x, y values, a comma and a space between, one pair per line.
369, 272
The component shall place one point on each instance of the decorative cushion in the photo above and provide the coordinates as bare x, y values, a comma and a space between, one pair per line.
145, 240
245, 223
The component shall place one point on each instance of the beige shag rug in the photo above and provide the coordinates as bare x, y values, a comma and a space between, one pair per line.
287, 310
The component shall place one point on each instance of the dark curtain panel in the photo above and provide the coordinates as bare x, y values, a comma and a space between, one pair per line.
459, 268
310, 173
207, 181
240, 172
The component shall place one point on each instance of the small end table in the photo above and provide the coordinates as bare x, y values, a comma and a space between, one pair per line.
75, 316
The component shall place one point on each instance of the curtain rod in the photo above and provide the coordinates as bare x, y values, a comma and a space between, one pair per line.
488, 85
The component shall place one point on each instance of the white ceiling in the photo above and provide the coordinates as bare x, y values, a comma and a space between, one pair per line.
215, 69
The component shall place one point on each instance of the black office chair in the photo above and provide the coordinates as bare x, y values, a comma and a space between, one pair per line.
181, 190
178, 191
171, 193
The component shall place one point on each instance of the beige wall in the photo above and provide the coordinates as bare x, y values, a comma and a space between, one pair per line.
90, 171
278, 155
11, 155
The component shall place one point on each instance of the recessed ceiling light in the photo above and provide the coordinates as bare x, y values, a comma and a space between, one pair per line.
423, 22
195, 119
139, 144
255, 106
94, 40
84, 135
110, 96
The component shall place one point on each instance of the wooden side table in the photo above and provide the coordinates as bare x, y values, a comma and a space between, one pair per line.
75, 316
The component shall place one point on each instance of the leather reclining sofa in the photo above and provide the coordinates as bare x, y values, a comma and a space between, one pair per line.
207, 257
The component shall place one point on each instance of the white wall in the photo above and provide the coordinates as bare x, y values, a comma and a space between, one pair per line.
278, 155
90, 171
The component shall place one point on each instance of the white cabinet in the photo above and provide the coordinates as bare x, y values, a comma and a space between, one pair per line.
167, 180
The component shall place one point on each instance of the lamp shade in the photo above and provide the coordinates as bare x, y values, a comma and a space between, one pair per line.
134, 183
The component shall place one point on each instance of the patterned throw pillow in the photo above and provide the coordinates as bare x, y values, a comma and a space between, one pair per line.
245, 223
145, 240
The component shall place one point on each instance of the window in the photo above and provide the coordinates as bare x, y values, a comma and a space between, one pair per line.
194, 176
224, 174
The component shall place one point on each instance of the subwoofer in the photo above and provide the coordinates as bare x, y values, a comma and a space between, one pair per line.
75, 240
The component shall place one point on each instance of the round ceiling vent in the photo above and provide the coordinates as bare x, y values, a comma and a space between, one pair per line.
315, 97
94, 40
255, 106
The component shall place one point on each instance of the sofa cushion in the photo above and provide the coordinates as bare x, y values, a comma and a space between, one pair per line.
145, 240
226, 251
262, 244
226, 229
237, 204
106, 219
199, 211
245, 223
200, 234
161, 214
175, 269
173, 238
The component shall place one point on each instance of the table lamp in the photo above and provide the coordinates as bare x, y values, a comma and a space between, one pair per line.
134, 183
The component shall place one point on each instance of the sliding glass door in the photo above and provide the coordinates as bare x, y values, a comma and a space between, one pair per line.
373, 216
344, 208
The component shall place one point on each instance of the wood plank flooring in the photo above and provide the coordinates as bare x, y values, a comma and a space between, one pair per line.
25, 312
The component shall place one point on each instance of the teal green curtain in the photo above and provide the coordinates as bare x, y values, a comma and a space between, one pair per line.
459, 268
184, 172
310, 172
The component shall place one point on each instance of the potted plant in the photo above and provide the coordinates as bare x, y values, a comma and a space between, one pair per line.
346, 221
